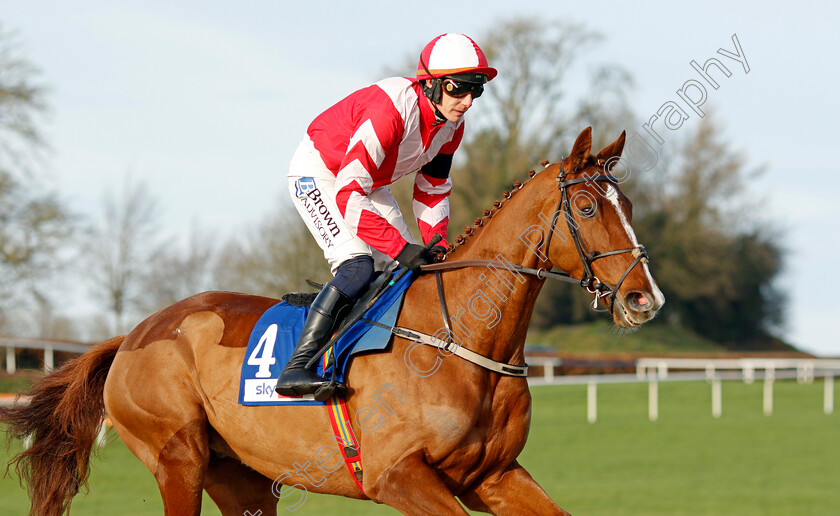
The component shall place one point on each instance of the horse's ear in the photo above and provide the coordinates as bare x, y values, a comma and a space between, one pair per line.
614, 149
581, 149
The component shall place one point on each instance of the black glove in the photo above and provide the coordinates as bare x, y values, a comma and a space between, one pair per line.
438, 252
413, 256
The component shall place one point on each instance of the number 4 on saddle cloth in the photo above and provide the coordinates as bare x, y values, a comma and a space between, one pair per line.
276, 333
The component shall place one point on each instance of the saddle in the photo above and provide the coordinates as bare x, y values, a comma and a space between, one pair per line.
275, 334
303, 298
374, 288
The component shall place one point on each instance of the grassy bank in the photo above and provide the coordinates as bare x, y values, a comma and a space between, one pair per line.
603, 337
686, 463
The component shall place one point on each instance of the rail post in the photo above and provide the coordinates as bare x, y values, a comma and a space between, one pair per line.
717, 402
49, 359
592, 402
769, 377
11, 367
653, 399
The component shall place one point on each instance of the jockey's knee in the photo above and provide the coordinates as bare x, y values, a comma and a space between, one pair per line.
353, 275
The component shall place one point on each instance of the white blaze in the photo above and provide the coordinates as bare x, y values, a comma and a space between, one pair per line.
612, 196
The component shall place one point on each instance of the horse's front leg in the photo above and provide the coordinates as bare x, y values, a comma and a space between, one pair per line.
413, 488
512, 491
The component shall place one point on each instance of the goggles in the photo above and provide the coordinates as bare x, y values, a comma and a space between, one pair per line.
460, 89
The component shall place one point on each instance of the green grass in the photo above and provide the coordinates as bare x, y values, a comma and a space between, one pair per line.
119, 484
686, 463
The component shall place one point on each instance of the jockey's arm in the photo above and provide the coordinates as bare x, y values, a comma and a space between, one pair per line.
432, 186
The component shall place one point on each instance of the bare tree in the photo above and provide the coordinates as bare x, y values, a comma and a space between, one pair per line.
22, 105
712, 254
121, 249
528, 114
35, 227
33, 231
179, 271
272, 258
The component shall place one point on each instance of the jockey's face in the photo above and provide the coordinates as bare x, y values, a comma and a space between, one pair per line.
452, 108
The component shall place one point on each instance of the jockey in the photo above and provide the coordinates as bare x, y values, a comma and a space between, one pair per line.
340, 173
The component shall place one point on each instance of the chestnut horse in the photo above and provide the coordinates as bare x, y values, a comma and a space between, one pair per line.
432, 428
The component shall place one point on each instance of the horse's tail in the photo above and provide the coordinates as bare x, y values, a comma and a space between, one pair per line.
61, 421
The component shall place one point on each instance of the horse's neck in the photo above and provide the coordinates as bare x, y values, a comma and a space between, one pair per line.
491, 306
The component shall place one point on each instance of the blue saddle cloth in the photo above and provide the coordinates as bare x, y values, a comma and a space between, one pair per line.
276, 333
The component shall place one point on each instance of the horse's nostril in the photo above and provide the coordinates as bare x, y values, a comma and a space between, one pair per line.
638, 301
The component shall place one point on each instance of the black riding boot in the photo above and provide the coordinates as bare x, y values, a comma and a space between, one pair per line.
296, 380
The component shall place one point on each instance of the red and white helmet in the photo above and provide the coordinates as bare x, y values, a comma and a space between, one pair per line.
450, 54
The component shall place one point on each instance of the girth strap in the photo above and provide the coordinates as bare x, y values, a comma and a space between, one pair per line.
455, 349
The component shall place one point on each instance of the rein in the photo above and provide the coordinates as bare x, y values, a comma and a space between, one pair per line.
588, 280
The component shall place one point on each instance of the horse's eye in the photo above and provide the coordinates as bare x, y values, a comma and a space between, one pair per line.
587, 211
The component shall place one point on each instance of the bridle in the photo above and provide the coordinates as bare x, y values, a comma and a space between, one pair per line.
588, 280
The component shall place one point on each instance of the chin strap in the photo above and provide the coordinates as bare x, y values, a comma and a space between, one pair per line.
439, 118
430, 93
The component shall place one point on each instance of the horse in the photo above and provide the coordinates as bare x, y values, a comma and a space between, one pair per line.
432, 428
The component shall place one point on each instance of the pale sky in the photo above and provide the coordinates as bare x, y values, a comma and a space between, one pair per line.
207, 100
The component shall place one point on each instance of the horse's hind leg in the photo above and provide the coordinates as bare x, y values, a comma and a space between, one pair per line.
238, 490
179, 465
162, 423
181, 468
